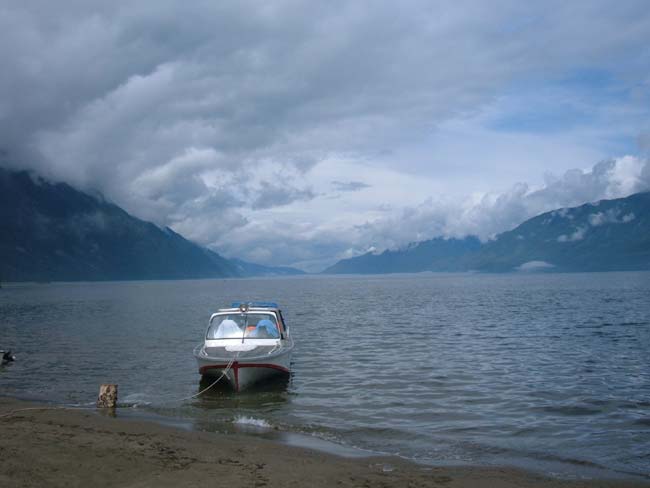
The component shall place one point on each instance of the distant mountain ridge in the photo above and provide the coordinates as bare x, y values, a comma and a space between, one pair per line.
53, 232
607, 235
436, 254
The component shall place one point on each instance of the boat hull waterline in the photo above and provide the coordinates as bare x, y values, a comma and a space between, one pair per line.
244, 372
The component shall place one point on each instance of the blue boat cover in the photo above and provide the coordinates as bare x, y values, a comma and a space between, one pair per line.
255, 304
269, 328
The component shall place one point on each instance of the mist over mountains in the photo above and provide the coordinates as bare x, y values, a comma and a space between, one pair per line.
438, 254
53, 232
604, 236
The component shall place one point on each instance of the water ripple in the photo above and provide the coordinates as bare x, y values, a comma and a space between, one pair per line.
438, 368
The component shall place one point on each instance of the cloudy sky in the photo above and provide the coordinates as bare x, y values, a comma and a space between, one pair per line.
296, 133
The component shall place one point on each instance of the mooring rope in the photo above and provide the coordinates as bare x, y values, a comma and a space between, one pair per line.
224, 373
12, 412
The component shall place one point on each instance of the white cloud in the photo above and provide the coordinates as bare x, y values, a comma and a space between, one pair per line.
611, 216
627, 176
577, 235
487, 214
314, 234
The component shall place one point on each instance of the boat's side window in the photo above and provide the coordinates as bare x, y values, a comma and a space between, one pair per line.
284, 327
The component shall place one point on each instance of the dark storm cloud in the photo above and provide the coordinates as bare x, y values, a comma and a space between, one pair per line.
273, 195
289, 80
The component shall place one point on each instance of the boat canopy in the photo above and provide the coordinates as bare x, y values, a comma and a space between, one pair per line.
255, 304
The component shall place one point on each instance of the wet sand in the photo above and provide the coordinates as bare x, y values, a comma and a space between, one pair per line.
68, 448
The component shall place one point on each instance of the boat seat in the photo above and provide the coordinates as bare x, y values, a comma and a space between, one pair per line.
227, 328
265, 329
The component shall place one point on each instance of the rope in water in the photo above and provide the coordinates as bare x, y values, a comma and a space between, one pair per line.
224, 373
13, 412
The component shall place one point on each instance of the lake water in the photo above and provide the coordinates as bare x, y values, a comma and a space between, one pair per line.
549, 371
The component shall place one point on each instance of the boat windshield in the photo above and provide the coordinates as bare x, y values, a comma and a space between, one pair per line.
243, 325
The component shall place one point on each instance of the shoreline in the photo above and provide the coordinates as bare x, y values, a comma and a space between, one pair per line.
52, 446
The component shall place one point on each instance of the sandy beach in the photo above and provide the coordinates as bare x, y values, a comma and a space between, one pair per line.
57, 447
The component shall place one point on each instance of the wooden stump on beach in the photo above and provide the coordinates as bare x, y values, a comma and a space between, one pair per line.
107, 396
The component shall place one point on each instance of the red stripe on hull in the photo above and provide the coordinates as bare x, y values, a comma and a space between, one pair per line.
236, 366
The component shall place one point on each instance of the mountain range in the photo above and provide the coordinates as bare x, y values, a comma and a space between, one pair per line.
53, 232
602, 236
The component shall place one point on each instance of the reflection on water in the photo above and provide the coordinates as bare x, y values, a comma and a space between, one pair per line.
268, 394
449, 369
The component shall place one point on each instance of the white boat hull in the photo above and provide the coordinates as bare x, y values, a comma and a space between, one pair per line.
243, 373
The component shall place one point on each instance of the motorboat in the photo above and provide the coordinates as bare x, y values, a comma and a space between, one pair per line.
247, 343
